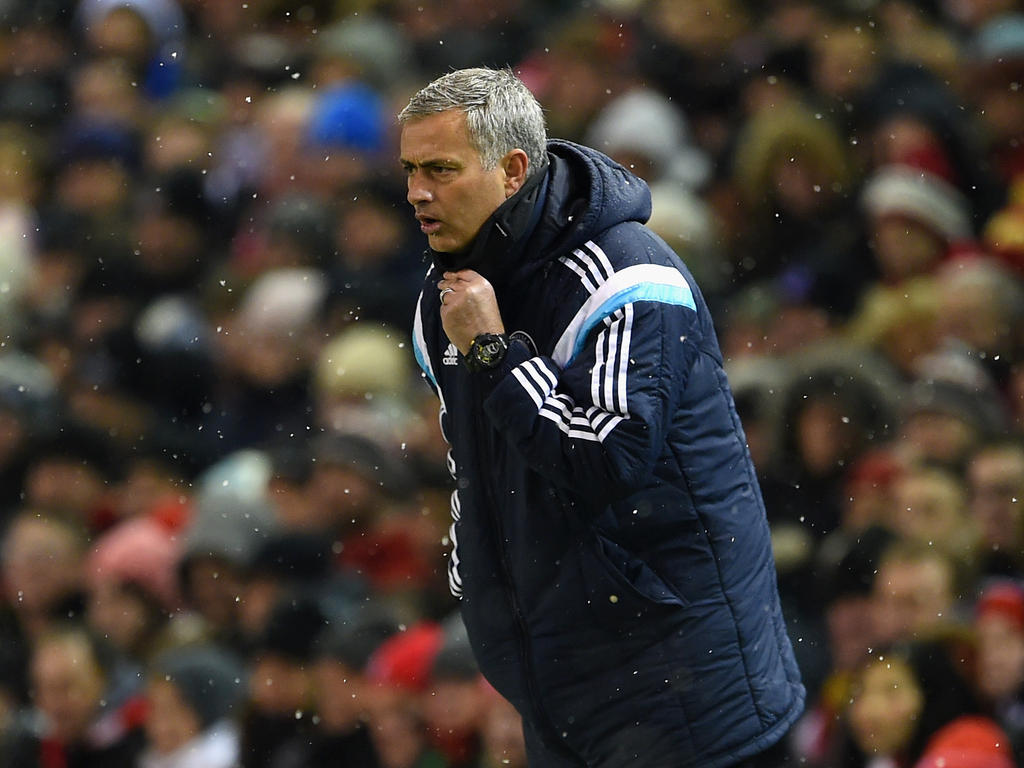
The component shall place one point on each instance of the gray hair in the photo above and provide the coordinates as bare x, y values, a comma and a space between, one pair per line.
501, 113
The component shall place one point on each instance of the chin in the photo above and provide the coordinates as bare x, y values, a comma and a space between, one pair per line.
442, 245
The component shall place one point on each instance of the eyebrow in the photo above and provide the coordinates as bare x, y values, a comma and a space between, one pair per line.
429, 163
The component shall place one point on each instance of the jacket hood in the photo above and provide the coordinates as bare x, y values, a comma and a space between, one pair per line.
588, 193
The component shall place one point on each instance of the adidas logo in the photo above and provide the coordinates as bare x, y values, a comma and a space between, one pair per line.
451, 355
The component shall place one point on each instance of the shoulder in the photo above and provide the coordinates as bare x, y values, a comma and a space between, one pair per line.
632, 263
624, 245
627, 265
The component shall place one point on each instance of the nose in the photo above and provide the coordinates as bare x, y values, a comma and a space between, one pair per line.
418, 190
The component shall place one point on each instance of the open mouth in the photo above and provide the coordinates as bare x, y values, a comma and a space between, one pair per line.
428, 225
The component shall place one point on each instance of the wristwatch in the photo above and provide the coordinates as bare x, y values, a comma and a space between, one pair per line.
486, 352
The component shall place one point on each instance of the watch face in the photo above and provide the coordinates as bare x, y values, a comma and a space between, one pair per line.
491, 350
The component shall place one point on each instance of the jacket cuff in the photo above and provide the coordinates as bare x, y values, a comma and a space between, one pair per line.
518, 397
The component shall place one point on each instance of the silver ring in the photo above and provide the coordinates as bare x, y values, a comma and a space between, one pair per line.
446, 290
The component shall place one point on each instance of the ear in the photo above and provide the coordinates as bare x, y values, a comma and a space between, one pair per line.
514, 164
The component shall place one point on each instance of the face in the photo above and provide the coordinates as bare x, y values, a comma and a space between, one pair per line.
996, 479
278, 686
1000, 661
41, 564
931, 508
339, 695
171, 723
825, 438
799, 186
844, 60
851, 630
911, 596
213, 586
118, 613
447, 185
938, 437
67, 485
885, 707
904, 248
68, 686
969, 314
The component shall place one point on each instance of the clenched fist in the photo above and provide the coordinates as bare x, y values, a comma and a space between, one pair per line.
468, 307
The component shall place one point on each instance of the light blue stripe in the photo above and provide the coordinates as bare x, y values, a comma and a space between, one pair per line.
679, 295
421, 360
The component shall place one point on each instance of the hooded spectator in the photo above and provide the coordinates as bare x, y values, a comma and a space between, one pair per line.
796, 178
195, 696
279, 719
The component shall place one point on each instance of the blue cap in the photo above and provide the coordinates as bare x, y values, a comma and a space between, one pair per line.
348, 116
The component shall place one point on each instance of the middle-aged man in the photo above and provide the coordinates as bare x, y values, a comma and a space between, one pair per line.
611, 549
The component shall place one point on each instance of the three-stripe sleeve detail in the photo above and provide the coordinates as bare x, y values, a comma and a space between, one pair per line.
642, 282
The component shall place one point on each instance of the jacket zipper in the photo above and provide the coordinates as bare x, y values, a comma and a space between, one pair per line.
540, 713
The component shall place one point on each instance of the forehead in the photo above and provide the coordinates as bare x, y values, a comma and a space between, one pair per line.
432, 137
69, 654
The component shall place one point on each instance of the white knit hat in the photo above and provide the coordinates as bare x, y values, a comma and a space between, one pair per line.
646, 122
921, 196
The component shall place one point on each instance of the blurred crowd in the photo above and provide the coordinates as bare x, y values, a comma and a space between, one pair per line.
223, 491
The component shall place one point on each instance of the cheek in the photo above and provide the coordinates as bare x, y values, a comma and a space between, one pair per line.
480, 196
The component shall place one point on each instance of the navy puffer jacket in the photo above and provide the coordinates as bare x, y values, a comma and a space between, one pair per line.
610, 545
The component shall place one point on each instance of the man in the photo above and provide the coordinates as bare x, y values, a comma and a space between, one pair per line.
610, 543
995, 479
90, 713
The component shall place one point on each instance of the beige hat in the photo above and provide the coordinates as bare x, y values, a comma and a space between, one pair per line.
364, 359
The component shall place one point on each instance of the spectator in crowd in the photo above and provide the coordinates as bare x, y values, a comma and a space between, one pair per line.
931, 510
914, 593
88, 717
43, 559
343, 694
503, 743
454, 703
131, 578
279, 718
399, 670
995, 484
900, 700
194, 695
999, 669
